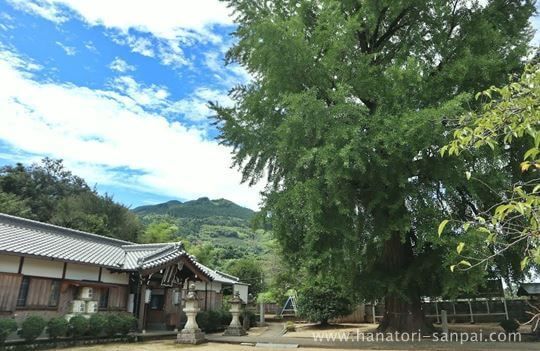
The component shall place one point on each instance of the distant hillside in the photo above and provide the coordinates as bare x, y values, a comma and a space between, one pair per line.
200, 208
223, 227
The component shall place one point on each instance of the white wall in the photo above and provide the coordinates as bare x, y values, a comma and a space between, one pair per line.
243, 290
42, 268
114, 278
82, 272
9, 264
211, 286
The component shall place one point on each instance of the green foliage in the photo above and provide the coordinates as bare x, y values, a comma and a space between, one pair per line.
13, 205
321, 301
120, 323
7, 326
349, 105
97, 324
200, 208
31, 328
510, 325
50, 193
251, 319
57, 327
78, 326
158, 232
213, 320
509, 118
249, 270
221, 233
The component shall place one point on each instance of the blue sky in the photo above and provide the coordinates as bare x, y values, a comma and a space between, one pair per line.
118, 89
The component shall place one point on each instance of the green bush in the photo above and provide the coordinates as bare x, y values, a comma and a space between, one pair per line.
7, 326
32, 327
225, 317
57, 327
252, 318
78, 326
322, 300
120, 323
97, 324
213, 321
510, 325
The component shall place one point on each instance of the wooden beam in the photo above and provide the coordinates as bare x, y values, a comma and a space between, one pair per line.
142, 305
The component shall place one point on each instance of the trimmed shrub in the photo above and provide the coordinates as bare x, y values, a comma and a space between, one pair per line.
7, 326
251, 319
97, 324
213, 321
129, 323
120, 323
322, 300
225, 317
57, 327
78, 325
510, 325
31, 328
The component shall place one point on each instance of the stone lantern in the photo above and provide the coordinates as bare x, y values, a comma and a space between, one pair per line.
235, 328
191, 334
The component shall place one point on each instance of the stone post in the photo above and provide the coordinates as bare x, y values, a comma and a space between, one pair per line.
191, 334
235, 328
444, 322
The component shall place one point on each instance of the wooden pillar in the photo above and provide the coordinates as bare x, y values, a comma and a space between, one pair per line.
142, 306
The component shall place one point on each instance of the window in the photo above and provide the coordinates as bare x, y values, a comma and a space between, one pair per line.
23, 292
104, 298
54, 295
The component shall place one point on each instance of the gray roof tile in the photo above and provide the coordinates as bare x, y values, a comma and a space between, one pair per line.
27, 237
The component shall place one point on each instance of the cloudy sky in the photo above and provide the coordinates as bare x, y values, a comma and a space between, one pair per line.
118, 89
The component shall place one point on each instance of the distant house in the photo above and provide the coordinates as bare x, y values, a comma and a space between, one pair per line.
531, 290
52, 271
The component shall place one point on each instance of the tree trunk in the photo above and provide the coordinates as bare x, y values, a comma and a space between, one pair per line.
403, 307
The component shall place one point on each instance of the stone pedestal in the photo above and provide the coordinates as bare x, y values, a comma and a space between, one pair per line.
191, 334
235, 328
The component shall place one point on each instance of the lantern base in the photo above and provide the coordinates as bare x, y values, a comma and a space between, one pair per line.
235, 331
191, 336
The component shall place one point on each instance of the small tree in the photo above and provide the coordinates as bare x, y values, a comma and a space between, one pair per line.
79, 326
32, 327
7, 326
57, 327
97, 324
322, 301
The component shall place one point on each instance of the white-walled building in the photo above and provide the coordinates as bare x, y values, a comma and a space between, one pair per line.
57, 271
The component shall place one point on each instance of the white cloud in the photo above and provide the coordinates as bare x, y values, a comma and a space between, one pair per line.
171, 23
195, 107
46, 9
162, 18
99, 131
120, 65
69, 50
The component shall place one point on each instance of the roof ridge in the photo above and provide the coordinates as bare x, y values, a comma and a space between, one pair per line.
33, 224
176, 246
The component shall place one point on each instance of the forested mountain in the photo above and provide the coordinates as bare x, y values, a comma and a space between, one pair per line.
216, 231
200, 208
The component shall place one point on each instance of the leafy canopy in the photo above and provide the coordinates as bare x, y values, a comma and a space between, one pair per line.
510, 119
349, 104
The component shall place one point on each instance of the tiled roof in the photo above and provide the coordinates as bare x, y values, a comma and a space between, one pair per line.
27, 237
527, 289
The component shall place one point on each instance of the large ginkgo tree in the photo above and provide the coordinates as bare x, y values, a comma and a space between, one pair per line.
347, 108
